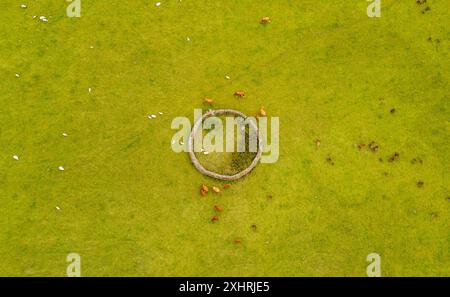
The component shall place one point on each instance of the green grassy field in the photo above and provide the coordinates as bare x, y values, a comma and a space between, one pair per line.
131, 206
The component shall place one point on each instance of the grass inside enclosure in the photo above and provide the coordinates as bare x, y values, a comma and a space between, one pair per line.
217, 158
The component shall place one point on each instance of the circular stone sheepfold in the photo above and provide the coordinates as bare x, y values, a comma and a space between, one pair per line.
199, 166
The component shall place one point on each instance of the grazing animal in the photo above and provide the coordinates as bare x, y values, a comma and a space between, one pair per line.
204, 190
262, 112
317, 142
264, 20
208, 100
226, 186
216, 189
218, 208
214, 219
239, 94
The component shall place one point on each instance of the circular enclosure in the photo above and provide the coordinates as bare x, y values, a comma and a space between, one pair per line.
213, 174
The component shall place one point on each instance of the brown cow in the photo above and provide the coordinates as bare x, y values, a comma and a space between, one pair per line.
208, 100
265, 20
